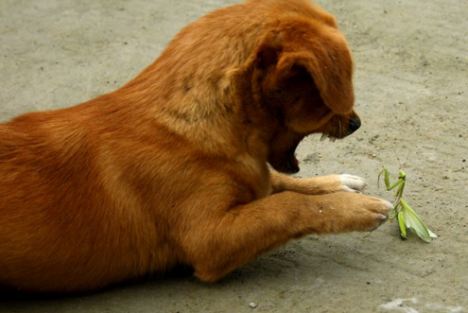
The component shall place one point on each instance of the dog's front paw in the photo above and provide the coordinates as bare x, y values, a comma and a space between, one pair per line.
351, 183
346, 211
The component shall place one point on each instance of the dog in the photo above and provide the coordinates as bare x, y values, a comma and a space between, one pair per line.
187, 163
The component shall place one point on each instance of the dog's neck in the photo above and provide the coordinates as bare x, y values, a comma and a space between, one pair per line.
216, 117
204, 97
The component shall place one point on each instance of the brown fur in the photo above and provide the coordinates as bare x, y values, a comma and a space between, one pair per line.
172, 168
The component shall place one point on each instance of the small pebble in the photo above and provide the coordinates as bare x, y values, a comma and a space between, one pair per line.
252, 305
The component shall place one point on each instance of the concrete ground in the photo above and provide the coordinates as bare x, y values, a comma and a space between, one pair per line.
411, 85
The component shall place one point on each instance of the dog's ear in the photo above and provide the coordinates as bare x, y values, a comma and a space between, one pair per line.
331, 71
328, 63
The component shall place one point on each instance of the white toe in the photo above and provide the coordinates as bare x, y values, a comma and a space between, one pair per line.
388, 204
355, 183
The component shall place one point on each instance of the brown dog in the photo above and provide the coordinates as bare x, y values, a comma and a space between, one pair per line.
172, 168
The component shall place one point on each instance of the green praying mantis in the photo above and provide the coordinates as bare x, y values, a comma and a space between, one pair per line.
404, 213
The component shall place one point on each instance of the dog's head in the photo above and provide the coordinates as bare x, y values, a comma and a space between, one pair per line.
301, 71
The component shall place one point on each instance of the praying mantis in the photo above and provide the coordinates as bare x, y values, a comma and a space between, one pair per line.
404, 213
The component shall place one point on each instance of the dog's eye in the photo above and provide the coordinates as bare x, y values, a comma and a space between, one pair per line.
296, 98
280, 93
287, 96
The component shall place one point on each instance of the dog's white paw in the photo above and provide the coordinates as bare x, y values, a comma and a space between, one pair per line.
352, 183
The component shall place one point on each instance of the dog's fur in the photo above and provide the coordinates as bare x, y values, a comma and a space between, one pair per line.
172, 168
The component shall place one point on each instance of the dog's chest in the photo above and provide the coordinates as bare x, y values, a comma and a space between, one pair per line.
254, 176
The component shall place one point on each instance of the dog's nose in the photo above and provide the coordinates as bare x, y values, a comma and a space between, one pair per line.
354, 124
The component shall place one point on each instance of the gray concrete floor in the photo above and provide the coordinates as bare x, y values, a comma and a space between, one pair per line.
411, 84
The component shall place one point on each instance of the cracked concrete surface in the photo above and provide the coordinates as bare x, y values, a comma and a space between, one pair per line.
411, 86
